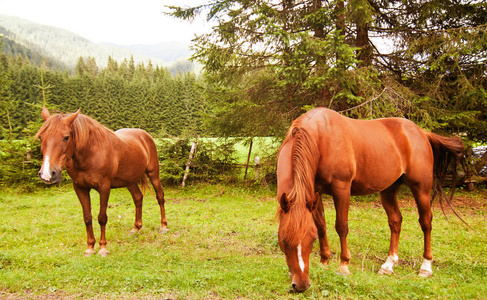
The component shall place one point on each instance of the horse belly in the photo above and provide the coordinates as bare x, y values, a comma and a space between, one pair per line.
360, 189
133, 160
374, 179
119, 183
129, 171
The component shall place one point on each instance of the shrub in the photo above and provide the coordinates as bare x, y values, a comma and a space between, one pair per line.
214, 161
20, 161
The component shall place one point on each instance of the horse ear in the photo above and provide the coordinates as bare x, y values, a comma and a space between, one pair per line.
311, 204
45, 114
284, 202
70, 119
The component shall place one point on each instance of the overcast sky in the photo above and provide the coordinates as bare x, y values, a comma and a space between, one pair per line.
123, 22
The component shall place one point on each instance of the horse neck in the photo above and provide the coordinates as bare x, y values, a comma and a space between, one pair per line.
305, 158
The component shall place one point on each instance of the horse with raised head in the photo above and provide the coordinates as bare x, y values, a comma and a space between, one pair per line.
98, 158
327, 153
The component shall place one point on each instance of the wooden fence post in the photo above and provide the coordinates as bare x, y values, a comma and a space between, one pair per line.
248, 160
188, 163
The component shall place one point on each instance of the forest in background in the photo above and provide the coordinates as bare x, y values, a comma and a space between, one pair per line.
119, 95
266, 63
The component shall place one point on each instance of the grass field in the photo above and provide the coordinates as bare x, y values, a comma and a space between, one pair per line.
222, 244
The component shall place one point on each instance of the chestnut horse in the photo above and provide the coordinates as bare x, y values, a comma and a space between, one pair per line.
326, 153
98, 158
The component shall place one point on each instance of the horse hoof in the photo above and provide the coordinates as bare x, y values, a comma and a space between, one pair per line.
103, 252
324, 263
384, 271
163, 230
89, 252
425, 273
343, 270
134, 230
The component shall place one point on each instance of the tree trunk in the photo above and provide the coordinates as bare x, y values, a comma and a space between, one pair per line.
340, 23
362, 41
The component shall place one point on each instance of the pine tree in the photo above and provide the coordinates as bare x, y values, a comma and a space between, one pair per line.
80, 67
5, 105
90, 66
272, 60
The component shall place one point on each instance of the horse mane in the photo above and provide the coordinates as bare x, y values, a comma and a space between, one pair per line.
85, 130
305, 156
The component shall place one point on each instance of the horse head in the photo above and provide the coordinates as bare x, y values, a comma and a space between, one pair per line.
56, 136
297, 233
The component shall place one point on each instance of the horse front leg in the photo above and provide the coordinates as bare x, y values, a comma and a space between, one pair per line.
85, 201
103, 219
320, 222
341, 199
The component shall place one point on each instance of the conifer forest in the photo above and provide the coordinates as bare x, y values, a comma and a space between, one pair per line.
267, 62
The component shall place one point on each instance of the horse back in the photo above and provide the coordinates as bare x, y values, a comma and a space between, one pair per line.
367, 155
137, 142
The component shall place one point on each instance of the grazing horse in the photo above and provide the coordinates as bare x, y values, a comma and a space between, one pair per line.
98, 158
326, 153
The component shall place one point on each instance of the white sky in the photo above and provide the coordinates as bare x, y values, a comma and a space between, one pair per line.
123, 22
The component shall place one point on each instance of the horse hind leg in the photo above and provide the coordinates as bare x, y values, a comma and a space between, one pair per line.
153, 175
138, 200
388, 199
422, 196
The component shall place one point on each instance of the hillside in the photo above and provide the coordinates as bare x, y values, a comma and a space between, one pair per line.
66, 47
169, 52
12, 48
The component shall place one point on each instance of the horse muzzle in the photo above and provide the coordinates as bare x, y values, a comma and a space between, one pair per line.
51, 176
300, 283
301, 286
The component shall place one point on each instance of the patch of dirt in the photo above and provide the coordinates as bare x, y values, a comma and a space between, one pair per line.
464, 202
30, 295
62, 295
472, 203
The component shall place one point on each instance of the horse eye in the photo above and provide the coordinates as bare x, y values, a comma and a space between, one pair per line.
66, 138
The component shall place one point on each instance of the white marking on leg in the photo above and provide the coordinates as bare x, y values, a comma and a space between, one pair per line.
391, 261
46, 172
426, 270
300, 258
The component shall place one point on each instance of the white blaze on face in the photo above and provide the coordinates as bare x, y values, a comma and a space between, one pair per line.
300, 258
46, 172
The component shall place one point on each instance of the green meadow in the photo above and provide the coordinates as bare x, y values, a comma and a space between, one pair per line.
222, 244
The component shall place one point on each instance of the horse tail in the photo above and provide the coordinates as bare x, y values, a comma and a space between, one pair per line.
144, 184
448, 152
